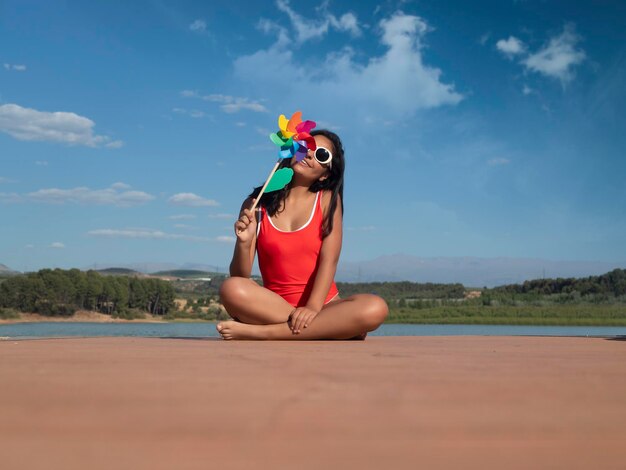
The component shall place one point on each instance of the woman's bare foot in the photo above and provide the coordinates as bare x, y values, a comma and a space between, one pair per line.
236, 330
360, 337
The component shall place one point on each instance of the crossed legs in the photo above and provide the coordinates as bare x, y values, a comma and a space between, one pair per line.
262, 314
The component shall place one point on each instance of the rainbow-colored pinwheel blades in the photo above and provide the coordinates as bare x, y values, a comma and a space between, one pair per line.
293, 136
283, 125
301, 152
305, 127
293, 139
277, 140
294, 122
309, 142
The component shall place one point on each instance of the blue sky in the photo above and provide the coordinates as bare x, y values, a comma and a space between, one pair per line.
131, 133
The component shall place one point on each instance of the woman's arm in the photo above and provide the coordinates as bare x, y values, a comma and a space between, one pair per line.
245, 246
329, 257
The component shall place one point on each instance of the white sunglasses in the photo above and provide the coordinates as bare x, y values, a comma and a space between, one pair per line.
323, 156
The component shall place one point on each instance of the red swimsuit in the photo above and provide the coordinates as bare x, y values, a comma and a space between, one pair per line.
288, 260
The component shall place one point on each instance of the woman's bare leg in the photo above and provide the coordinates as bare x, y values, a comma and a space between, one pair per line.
341, 319
248, 302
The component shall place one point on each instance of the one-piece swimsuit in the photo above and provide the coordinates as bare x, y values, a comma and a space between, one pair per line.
289, 260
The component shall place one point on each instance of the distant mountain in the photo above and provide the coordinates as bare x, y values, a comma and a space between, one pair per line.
470, 271
6, 270
152, 268
212, 268
185, 273
119, 271
139, 267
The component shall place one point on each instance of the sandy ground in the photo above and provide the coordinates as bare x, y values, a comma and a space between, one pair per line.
395, 402
79, 316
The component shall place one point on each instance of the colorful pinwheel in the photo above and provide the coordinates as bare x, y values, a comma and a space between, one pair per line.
292, 138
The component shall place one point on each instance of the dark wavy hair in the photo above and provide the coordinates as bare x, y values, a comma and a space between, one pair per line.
334, 184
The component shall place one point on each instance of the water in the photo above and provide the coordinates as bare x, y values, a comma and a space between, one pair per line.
203, 329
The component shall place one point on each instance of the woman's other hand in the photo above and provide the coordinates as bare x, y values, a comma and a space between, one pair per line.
301, 318
245, 227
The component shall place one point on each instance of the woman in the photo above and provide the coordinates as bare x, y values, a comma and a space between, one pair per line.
297, 234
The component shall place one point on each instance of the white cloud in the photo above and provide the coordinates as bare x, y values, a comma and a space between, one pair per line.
41, 163
185, 227
145, 234
511, 47
57, 245
498, 161
194, 113
69, 128
120, 185
237, 106
10, 198
347, 22
5, 180
16, 67
527, 90
191, 200
225, 239
557, 58
222, 216
198, 26
115, 195
484, 38
229, 104
182, 217
396, 82
310, 29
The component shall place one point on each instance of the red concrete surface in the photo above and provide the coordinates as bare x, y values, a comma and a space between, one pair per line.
395, 402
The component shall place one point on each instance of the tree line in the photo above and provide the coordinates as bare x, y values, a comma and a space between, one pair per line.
61, 292
611, 284
403, 290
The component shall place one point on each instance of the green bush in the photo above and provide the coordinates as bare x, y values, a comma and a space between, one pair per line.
130, 314
54, 310
215, 313
8, 314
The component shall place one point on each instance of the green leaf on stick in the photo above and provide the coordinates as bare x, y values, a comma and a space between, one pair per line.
280, 179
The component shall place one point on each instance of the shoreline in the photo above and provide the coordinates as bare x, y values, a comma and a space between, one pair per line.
81, 316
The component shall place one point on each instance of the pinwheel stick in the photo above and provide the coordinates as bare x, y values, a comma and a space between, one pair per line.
258, 198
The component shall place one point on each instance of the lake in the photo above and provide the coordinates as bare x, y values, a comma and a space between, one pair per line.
204, 329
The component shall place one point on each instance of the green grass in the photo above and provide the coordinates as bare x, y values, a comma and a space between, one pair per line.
577, 314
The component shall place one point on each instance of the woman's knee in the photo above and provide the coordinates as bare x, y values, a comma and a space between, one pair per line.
233, 289
374, 310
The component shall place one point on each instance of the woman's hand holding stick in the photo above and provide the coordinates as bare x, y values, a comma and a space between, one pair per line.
241, 225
